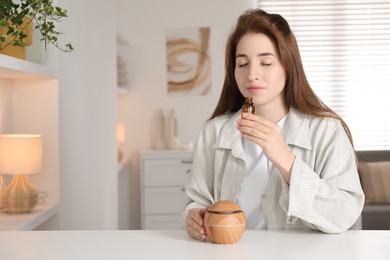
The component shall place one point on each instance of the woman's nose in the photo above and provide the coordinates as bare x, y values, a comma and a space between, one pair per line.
254, 73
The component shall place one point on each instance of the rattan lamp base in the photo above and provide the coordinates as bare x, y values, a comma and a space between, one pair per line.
19, 196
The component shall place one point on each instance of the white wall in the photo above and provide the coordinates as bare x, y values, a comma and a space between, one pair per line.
143, 24
88, 182
89, 107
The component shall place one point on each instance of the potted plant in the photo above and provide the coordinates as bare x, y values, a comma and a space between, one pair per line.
17, 20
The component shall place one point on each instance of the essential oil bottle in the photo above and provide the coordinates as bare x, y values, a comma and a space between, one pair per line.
248, 107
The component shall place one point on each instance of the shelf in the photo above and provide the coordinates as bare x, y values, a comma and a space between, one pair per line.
122, 91
122, 80
28, 221
29, 95
123, 164
13, 68
120, 167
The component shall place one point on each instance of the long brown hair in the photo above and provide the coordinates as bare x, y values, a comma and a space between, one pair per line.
297, 91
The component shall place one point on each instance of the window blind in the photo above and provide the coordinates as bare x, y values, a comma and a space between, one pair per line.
345, 48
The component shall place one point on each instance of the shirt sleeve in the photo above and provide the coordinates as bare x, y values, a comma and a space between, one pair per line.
329, 197
199, 188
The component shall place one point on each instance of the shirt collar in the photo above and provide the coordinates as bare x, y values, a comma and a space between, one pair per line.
230, 137
295, 131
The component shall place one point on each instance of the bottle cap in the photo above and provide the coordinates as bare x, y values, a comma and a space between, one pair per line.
248, 100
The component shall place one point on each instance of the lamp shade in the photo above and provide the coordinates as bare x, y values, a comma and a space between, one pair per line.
120, 132
20, 154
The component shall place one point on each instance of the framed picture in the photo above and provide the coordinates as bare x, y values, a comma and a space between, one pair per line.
188, 61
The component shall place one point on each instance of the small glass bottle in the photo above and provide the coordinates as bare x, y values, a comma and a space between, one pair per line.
248, 107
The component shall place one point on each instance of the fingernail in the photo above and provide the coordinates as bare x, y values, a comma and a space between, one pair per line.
239, 121
246, 115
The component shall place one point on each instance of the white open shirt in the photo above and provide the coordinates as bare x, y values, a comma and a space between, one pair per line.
254, 183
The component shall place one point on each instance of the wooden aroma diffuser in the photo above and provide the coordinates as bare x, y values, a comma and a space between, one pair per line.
224, 222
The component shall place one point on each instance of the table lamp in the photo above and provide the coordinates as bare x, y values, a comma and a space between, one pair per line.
20, 155
120, 137
1, 192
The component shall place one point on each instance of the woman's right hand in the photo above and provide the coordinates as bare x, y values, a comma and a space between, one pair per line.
195, 224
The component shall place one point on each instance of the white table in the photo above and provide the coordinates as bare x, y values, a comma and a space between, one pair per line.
175, 244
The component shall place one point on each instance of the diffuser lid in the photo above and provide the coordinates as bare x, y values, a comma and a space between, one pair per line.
224, 207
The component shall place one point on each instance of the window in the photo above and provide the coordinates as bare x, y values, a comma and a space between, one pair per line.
345, 48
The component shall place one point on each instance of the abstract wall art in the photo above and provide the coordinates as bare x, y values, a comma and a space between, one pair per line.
188, 61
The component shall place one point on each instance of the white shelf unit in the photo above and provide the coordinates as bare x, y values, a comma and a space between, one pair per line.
29, 104
163, 179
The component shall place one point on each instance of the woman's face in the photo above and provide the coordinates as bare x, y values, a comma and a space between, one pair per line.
258, 72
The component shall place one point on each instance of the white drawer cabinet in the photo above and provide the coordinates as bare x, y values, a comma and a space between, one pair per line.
163, 178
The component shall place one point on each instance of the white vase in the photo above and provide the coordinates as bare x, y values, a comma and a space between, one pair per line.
159, 132
169, 128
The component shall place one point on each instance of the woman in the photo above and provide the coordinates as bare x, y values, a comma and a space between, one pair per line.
292, 164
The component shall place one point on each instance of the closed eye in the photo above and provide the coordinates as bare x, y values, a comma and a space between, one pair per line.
242, 65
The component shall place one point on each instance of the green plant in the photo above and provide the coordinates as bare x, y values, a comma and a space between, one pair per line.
16, 17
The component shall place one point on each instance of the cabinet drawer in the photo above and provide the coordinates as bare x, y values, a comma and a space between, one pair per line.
162, 222
164, 200
169, 172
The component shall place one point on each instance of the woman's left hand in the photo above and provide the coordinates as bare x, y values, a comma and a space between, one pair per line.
269, 137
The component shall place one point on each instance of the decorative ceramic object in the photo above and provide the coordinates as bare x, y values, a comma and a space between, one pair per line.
159, 130
224, 222
170, 128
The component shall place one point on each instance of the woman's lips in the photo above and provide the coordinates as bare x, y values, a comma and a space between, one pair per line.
255, 88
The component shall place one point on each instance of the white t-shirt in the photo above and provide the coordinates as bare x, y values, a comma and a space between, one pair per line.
254, 183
